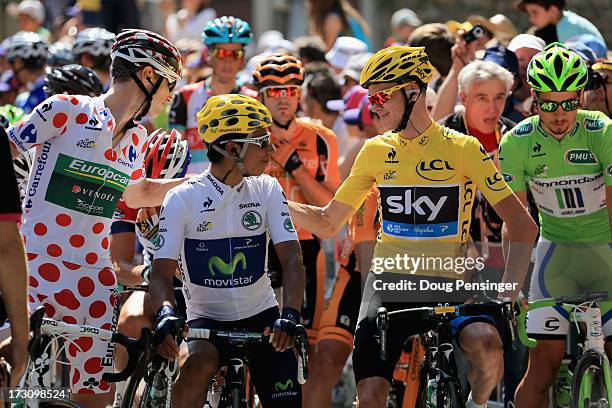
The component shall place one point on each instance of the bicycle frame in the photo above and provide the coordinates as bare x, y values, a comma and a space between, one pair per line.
594, 339
41, 326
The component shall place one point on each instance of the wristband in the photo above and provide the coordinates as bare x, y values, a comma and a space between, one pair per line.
290, 313
146, 271
164, 311
293, 162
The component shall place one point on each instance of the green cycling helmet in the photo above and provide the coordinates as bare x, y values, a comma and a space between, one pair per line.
9, 115
557, 69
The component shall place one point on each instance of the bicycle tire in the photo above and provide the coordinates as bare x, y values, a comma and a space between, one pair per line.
130, 396
59, 404
589, 364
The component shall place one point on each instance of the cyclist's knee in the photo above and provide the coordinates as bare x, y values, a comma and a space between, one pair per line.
331, 356
480, 340
201, 364
372, 392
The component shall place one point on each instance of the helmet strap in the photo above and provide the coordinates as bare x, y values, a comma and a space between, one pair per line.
407, 111
238, 161
144, 107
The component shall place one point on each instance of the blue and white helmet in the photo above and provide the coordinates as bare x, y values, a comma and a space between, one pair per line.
226, 30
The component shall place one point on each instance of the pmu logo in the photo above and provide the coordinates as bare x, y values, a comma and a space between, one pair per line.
580, 156
391, 157
435, 170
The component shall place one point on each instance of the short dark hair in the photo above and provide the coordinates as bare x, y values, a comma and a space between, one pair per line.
310, 49
213, 155
520, 4
323, 87
438, 41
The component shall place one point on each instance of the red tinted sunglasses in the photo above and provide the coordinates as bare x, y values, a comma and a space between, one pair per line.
282, 91
224, 54
379, 98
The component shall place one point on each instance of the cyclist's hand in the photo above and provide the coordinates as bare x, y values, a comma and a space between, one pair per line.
18, 360
163, 336
284, 329
286, 156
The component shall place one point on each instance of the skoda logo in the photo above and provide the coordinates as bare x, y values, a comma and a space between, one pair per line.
251, 220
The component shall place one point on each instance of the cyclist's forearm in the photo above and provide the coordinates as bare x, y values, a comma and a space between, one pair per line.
315, 192
149, 193
519, 245
290, 256
161, 288
311, 218
13, 282
127, 274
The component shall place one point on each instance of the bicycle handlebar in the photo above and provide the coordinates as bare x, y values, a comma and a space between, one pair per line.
548, 302
504, 309
135, 348
242, 338
40, 325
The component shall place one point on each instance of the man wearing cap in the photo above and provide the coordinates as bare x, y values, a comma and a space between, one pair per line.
403, 23
342, 50
598, 95
525, 46
349, 76
30, 17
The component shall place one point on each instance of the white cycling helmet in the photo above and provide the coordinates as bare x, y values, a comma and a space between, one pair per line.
167, 155
28, 46
94, 41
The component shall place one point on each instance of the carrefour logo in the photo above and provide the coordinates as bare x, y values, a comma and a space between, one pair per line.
132, 154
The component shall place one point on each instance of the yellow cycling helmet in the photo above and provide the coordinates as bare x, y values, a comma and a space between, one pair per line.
232, 113
396, 64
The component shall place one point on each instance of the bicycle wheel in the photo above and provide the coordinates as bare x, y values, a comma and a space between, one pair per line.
448, 396
138, 387
588, 384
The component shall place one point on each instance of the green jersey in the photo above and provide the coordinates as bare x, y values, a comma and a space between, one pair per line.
567, 178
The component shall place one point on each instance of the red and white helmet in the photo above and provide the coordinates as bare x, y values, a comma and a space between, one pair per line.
167, 155
142, 48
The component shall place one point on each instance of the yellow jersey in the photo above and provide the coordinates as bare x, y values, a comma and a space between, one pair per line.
427, 187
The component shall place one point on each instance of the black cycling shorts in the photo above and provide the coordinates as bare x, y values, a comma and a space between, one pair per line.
274, 374
367, 361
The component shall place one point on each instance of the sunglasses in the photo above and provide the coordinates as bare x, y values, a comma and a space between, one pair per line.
552, 106
379, 98
224, 54
282, 91
261, 141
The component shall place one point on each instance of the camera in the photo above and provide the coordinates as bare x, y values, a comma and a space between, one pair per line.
475, 33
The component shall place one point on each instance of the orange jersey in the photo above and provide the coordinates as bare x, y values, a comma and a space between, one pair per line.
317, 148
